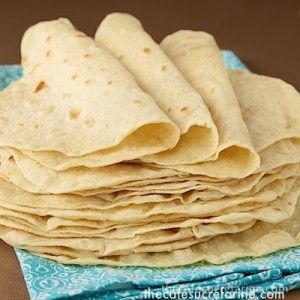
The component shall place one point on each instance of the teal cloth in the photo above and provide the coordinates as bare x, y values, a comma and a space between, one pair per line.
248, 277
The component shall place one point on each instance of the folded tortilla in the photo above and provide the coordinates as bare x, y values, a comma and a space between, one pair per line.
123, 35
198, 57
77, 103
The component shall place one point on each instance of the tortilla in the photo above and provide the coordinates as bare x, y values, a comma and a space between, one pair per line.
39, 179
124, 36
260, 239
94, 109
198, 57
82, 228
167, 178
269, 107
76, 207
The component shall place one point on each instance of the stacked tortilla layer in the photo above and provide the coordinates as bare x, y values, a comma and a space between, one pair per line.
121, 151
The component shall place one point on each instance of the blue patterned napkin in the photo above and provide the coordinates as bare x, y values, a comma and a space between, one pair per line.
241, 279
278, 272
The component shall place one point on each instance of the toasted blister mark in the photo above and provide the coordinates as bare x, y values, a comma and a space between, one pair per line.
89, 122
87, 81
164, 68
146, 50
184, 109
21, 124
36, 126
74, 76
65, 60
110, 82
48, 53
169, 109
48, 39
87, 55
120, 57
74, 113
40, 86
138, 102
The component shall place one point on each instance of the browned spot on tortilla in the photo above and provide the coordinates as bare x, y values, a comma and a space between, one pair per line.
137, 101
184, 109
164, 68
146, 50
212, 90
120, 57
65, 60
74, 113
89, 122
74, 76
110, 82
277, 209
20, 124
87, 81
103, 69
36, 126
24, 59
87, 55
41, 85
48, 39
48, 53
169, 109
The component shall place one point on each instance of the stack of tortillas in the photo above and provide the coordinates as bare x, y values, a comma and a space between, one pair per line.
121, 151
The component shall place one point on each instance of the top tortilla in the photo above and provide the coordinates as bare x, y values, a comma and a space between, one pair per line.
76, 101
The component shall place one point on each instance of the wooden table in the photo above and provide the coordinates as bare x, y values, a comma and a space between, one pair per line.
264, 34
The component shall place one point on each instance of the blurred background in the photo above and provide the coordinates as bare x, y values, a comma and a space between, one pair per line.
265, 34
